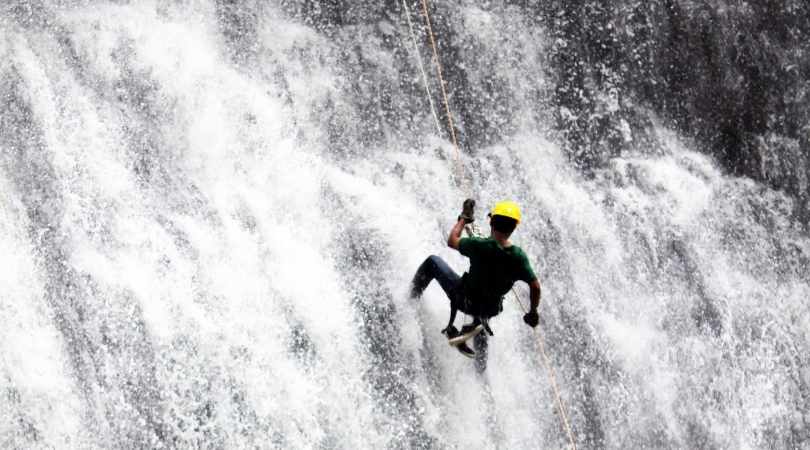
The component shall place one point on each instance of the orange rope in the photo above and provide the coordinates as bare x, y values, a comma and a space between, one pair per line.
552, 377
422, 68
460, 168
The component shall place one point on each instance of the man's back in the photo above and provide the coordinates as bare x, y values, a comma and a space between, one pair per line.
493, 271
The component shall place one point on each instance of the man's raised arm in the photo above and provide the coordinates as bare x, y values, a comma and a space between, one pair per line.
455, 233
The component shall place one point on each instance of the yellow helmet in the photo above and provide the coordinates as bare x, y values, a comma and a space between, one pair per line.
507, 209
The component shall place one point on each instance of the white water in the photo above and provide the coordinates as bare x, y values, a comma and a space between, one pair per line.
190, 258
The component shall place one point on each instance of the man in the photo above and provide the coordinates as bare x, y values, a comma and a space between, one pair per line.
495, 265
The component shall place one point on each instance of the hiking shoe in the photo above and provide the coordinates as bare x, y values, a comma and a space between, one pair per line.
451, 332
470, 327
467, 332
465, 350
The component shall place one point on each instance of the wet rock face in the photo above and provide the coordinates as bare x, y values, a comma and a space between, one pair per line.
218, 206
730, 75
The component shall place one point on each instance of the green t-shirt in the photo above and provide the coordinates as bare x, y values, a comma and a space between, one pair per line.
493, 271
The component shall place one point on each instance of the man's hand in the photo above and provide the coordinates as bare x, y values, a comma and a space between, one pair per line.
468, 211
531, 318
467, 216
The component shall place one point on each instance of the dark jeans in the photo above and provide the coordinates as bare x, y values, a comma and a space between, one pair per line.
434, 268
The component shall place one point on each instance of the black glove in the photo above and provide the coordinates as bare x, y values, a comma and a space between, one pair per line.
468, 211
531, 318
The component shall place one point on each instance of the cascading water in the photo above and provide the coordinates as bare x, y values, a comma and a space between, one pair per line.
211, 213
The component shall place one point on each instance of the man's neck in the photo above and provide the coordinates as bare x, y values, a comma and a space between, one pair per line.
500, 238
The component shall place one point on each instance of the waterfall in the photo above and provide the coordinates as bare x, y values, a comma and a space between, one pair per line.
211, 212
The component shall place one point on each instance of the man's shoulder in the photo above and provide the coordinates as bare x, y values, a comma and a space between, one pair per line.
522, 259
517, 251
475, 240
471, 245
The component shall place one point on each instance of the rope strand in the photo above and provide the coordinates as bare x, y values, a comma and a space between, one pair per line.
422, 68
463, 180
552, 377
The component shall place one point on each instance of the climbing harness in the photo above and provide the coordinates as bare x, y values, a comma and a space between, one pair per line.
471, 230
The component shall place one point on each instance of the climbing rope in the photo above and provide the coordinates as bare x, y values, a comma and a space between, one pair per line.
470, 230
422, 68
462, 179
552, 377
